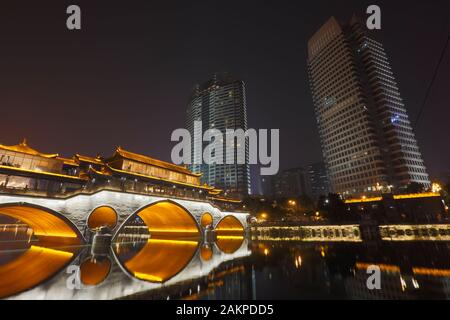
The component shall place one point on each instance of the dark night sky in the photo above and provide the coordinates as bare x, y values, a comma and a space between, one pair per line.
125, 78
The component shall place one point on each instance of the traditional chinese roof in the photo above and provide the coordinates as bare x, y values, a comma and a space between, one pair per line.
26, 172
24, 148
96, 160
139, 175
154, 162
68, 161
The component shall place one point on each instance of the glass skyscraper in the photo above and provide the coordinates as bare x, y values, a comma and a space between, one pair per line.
220, 104
366, 136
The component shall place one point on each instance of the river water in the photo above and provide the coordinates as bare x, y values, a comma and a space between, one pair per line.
229, 268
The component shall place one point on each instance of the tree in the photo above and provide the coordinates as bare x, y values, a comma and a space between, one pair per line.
414, 187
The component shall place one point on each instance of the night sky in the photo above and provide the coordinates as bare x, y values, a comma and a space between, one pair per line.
125, 78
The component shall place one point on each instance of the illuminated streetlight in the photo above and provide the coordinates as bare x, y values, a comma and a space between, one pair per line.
436, 187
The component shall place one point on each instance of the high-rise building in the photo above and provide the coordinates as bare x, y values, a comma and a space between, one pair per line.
367, 140
287, 183
220, 104
318, 180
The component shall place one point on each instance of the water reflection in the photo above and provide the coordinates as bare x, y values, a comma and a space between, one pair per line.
25, 260
138, 266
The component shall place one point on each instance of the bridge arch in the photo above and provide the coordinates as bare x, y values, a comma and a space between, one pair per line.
48, 226
230, 234
173, 243
102, 216
166, 219
229, 226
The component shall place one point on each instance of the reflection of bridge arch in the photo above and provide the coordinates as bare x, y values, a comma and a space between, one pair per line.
160, 259
48, 225
174, 239
36, 265
166, 219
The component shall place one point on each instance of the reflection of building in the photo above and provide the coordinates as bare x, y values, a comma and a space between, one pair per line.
318, 180
23, 169
367, 140
220, 104
287, 183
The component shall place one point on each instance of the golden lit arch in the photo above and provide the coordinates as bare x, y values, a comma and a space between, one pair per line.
103, 216
206, 220
169, 220
230, 234
48, 226
229, 226
31, 268
174, 239
94, 271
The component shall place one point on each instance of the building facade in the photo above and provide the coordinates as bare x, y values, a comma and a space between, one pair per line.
367, 139
219, 104
24, 170
318, 180
287, 183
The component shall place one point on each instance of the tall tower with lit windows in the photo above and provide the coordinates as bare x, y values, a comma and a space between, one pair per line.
220, 104
367, 139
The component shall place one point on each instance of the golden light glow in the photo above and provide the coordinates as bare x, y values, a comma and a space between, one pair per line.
206, 253
417, 232
169, 220
298, 261
336, 233
160, 259
364, 199
417, 195
102, 217
43, 173
94, 271
396, 197
230, 226
31, 268
436, 187
24, 148
206, 220
229, 244
432, 272
160, 179
46, 225
383, 267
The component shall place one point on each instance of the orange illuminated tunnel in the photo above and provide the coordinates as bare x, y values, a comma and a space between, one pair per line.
48, 226
31, 268
103, 216
167, 219
230, 234
174, 239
